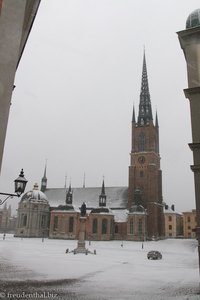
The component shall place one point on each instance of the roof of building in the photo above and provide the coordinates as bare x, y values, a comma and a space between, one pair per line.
120, 215
169, 210
193, 19
116, 197
34, 195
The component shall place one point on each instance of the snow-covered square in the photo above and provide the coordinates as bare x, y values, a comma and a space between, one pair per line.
119, 270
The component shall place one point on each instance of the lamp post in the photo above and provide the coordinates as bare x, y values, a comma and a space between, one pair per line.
20, 184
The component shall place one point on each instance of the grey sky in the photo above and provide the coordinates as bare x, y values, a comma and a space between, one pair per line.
75, 88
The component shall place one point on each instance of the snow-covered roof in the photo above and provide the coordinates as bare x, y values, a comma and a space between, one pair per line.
171, 211
120, 215
116, 197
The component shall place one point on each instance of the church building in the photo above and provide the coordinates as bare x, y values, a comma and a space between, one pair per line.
133, 212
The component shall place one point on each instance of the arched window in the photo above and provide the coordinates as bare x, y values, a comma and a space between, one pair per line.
104, 226
43, 221
140, 226
131, 226
55, 224
71, 224
141, 146
24, 220
94, 226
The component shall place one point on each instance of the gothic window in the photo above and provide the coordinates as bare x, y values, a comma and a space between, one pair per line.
55, 224
169, 218
43, 221
94, 226
141, 145
116, 229
24, 220
140, 226
111, 226
71, 224
131, 226
170, 227
188, 219
104, 226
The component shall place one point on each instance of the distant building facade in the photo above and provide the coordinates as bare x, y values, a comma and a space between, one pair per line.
189, 223
173, 222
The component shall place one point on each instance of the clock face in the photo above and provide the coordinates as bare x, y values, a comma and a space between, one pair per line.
141, 159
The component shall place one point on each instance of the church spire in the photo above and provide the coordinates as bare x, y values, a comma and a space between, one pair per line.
145, 111
44, 179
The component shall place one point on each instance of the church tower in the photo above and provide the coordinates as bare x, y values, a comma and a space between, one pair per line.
144, 170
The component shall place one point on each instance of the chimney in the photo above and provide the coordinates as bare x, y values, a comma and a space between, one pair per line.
173, 207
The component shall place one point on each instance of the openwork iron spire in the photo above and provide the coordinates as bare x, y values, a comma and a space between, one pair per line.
145, 111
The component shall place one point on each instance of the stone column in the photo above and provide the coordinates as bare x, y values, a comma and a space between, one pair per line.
81, 241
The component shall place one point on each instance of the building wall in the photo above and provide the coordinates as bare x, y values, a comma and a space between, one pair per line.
15, 23
33, 219
173, 225
62, 226
136, 227
189, 224
104, 230
120, 232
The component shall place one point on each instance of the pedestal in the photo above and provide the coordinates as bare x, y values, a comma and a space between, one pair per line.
81, 241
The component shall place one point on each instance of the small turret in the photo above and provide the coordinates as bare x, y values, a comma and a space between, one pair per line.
102, 196
69, 196
133, 117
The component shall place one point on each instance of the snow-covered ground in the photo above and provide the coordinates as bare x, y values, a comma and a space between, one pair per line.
116, 272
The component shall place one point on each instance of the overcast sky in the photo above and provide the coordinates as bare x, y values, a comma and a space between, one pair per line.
75, 87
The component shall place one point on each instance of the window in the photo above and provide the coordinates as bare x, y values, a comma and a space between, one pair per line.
170, 227
188, 219
169, 218
141, 174
94, 226
116, 229
140, 226
189, 227
104, 226
43, 221
24, 220
71, 224
55, 224
131, 226
111, 226
141, 142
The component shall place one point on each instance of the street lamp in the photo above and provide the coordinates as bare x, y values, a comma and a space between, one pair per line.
20, 184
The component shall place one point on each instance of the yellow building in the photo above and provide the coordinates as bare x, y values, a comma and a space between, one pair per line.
189, 224
173, 222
